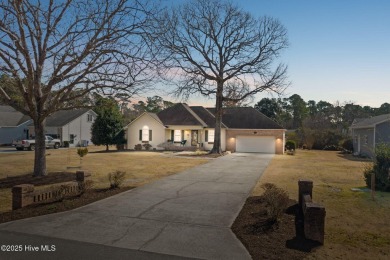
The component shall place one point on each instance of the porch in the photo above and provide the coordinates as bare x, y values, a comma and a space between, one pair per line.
185, 138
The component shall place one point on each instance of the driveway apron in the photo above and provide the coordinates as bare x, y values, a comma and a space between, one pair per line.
188, 214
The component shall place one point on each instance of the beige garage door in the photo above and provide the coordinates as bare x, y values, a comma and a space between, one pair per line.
255, 144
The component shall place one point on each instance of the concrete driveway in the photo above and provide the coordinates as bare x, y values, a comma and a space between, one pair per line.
188, 214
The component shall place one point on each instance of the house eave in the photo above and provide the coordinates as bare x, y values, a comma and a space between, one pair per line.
195, 115
370, 126
16, 126
257, 129
197, 127
363, 127
147, 113
74, 119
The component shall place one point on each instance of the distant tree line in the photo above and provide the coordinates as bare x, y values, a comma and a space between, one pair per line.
317, 125
152, 104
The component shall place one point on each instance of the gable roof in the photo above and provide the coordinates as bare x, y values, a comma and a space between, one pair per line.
207, 117
238, 117
247, 118
180, 114
64, 117
370, 122
153, 115
9, 117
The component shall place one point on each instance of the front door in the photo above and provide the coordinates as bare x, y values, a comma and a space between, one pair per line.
194, 137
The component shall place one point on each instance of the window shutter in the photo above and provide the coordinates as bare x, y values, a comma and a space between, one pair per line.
140, 134
172, 135
150, 135
206, 136
182, 135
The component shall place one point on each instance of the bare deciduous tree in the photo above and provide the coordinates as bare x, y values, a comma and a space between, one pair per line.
233, 92
57, 52
209, 44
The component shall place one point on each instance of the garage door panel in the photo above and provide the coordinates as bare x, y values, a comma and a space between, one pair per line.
255, 144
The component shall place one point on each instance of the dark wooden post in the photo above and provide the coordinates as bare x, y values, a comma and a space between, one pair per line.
305, 187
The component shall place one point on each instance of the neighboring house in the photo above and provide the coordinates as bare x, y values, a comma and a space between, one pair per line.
244, 129
73, 126
368, 132
13, 125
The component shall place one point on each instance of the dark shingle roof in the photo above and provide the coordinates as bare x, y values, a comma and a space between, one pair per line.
9, 117
64, 117
369, 122
180, 114
155, 117
205, 115
247, 118
238, 117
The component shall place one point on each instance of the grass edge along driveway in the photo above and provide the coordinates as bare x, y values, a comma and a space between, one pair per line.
140, 167
356, 227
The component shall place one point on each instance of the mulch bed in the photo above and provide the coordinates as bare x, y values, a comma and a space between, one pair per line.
267, 240
262, 238
88, 197
60, 206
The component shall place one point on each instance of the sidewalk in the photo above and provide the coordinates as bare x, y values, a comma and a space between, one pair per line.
187, 214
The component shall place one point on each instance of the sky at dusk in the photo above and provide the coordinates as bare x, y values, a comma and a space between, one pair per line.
339, 49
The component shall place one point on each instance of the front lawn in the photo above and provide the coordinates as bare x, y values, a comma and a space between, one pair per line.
140, 167
356, 227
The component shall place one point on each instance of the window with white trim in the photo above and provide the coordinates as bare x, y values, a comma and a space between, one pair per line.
89, 118
145, 133
177, 136
210, 137
365, 139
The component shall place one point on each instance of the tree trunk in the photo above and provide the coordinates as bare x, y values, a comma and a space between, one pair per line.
40, 149
218, 120
107, 148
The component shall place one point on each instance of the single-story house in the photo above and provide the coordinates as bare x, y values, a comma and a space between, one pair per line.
13, 125
369, 132
244, 129
73, 126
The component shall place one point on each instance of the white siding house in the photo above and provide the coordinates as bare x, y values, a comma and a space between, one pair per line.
73, 126
244, 129
146, 128
13, 125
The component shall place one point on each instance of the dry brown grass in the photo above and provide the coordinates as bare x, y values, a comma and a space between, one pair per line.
356, 226
140, 167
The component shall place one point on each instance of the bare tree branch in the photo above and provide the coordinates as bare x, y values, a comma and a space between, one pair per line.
57, 52
212, 47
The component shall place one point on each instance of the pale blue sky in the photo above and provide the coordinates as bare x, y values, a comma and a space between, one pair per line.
339, 49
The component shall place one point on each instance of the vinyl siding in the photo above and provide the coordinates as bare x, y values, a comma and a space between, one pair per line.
158, 131
366, 149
